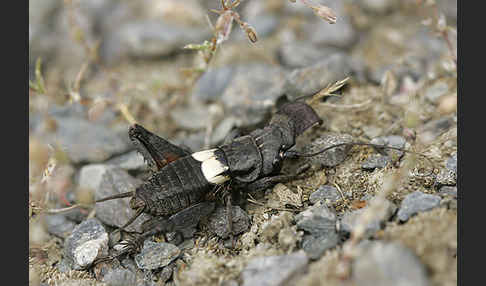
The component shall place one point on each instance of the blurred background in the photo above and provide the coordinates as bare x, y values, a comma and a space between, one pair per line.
97, 66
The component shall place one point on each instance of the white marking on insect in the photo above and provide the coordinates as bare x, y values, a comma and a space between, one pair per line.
202, 156
212, 169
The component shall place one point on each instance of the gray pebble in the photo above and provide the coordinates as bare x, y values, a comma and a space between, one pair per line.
84, 140
120, 277
87, 241
334, 156
58, 225
315, 246
433, 129
155, 255
309, 80
416, 202
303, 54
218, 222
349, 220
115, 212
383, 264
448, 191
148, 39
435, 91
451, 163
166, 272
324, 192
130, 161
392, 141
319, 224
212, 83
253, 91
375, 161
274, 270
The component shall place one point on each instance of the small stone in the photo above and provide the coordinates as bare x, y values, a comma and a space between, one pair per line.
194, 116
155, 255
451, 163
434, 92
349, 220
331, 157
211, 85
88, 241
302, 54
97, 143
375, 161
218, 221
446, 191
148, 39
392, 141
433, 129
166, 272
253, 91
315, 246
115, 212
382, 264
129, 161
120, 277
310, 80
325, 192
319, 224
416, 202
58, 225
274, 270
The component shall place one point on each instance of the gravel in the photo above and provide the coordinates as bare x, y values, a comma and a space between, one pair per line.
324, 192
319, 225
218, 222
416, 202
156, 255
383, 264
274, 270
88, 241
332, 157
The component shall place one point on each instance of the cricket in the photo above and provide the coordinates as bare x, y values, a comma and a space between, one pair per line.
176, 192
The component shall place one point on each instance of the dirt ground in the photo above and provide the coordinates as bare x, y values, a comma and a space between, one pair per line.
401, 101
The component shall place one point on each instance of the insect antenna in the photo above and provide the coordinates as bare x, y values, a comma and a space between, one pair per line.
296, 154
118, 196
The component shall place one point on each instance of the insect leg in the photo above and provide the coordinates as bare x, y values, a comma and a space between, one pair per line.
267, 182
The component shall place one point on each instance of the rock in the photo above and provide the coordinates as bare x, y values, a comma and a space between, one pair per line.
218, 223
319, 224
156, 255
303, 54
120, 277
433, 129
274, 270
58, 225
88, 241
83, 140
349, 220
130, 161
392, 141
252, 92
446, 191
381, 264
334, 156
416, 202
451, 163
211, 85
436, 90
115, 212
378, 6
166, 272
325, 192
375, 161
148, 39
309, 80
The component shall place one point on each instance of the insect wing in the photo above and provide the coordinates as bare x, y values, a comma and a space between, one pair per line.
156, 151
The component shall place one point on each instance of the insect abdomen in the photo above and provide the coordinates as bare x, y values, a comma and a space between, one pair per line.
177, 186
